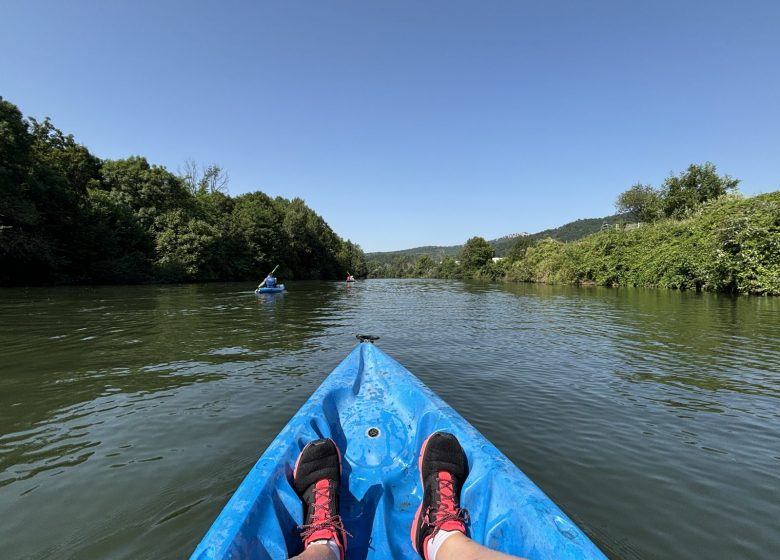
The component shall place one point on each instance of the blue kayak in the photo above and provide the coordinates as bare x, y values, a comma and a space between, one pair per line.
379, 414
274, 290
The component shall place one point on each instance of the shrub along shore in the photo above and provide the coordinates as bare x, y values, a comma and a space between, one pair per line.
695, 232
731, 244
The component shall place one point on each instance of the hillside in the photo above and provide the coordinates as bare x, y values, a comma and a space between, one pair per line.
571, 231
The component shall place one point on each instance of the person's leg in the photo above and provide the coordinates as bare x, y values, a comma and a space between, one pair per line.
317, 551
460, 547
439, 528
316, 479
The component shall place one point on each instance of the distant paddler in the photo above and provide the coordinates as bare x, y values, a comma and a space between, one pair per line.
270, 280
350, 278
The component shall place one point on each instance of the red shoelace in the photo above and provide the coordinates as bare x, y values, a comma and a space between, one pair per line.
321, 519
446, 510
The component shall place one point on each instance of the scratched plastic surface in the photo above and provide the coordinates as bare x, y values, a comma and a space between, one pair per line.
370, 394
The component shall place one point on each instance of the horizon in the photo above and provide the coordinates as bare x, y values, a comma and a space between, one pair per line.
410, 125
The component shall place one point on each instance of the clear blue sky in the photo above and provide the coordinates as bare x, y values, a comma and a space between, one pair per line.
407, 123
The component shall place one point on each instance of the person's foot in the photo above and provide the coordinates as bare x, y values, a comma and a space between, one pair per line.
443, 468
316, 479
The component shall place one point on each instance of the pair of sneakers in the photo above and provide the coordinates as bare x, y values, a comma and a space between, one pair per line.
443, 468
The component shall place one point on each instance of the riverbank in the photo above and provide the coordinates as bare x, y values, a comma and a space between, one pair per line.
728, 245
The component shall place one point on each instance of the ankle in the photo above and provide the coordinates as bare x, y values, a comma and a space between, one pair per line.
439, 547
326, 547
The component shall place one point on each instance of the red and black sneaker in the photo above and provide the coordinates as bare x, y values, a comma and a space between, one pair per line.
316, 479
443, 468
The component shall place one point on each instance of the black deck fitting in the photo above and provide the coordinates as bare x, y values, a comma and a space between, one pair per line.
367, 338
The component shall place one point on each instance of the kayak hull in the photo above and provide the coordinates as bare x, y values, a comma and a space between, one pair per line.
379, 414
274, 290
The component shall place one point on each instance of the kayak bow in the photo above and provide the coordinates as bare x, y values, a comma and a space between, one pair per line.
379, 414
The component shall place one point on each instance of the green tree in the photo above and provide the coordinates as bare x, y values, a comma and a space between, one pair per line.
24, 253
352, 259
126, 248
184, 247
424, 267
44, 209
204, 180
79, 168
448, 268
519, 247
311, 244
257, 219
476, 253
644, 202
698, 184
149, 190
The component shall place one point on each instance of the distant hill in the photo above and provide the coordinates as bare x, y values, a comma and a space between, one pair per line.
567, 232
580, 228
435, 252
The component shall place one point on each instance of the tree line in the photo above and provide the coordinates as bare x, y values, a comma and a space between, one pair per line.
694, 232
67, 216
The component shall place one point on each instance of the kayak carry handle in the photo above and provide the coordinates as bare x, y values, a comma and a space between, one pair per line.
366, 338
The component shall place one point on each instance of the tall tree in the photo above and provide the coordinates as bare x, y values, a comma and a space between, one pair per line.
257, 219
644, 202
698, 184
203, 180
44, 178
424, 266
149, 190
519, 247
184, 247
24, 253
476, 253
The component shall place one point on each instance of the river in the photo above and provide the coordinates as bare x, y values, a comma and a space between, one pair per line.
128, 415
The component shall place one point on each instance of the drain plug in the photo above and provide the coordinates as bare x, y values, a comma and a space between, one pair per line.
372, 432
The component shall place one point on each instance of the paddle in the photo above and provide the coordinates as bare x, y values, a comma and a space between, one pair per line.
269, 274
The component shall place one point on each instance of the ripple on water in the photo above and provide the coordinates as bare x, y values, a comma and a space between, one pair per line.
651, 417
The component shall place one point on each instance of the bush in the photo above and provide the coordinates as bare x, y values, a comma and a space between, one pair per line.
730, 244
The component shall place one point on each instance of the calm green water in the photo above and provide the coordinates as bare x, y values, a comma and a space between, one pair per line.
128, 415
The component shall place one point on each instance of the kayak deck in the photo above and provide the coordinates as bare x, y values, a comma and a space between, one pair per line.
379, 414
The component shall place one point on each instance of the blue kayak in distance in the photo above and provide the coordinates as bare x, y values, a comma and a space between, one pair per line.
379, 414
274, 290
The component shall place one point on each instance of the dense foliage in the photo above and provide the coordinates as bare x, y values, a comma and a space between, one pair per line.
678, 196
729, 244
697, 235
67, 216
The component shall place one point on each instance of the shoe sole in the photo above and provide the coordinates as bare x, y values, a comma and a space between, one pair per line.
419, 509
